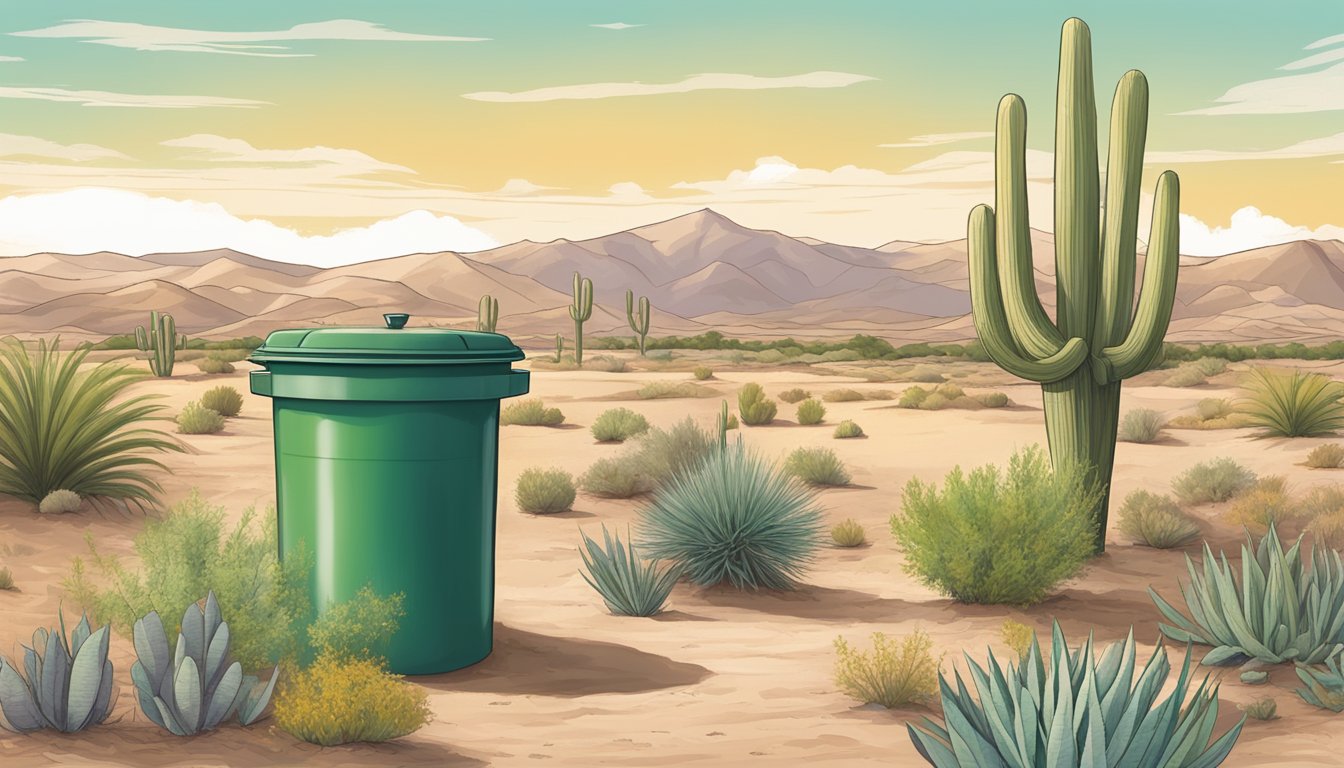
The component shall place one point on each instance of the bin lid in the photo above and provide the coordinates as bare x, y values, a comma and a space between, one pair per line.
390, 343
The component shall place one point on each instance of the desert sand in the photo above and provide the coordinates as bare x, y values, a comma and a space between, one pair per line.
722, 678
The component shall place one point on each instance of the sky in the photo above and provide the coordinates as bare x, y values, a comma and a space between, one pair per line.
338, 131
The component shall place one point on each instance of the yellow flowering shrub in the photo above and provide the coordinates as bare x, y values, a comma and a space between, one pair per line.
340, 699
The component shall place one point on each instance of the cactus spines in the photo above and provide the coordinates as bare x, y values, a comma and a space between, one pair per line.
1095, 342
638, 317
580, 309
487, 313
559, 347
160, 342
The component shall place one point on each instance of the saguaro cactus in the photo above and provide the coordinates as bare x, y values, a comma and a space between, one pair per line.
160, 342
559, 347
638, 318
580, 310
487, 313
1095, 342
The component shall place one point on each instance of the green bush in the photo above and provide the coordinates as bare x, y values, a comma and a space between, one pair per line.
663, 455
223, 400
343, 701
1156, 521
664, 390
950, 391
848, 533
703, 372
1327, 456
1294, 405
358, 628
1212, 481
6, 579
545, 491
628, 585
1214, 408
754, 406
811, 412
618, 425
606, 364
895, 674
990, 538
993, 400
913, 397
196, 419
1187, 375
1141, 425
530, 412
817, 466
214, 365
1261, 709
842, 396
618, 477
794, 395
936, 401
734, 518
847, 429
59, 501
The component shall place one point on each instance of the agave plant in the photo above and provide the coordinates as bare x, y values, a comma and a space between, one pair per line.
1296, 404
628, 585
1284, 609
69, 682
1084, 709
203, 689
60, 427
1325, 689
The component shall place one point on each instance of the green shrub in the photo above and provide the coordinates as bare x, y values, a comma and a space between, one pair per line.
847, 429
734, 518
1210, 366
628, 585
342, 701
358, 628
754, 406
950, 391
703, 372
196, 419
1212, 481
794, 395
1186, 375
811, 412
1261, 709
1214, 408
990, 538
1141, 425
545, 491
63, 428
879, 394
1018, 637
618, 425
842, 396
1156, 521
1285, 607
936, 401
663, 455
1212, 413
817, 466
1294, 405
913, 397
230, 355
1324, 688
223, 400
214, 365
1327, 456
59, 501
848, 533
993, 400
1173, 733
530, 412
664, 390
924, 374
897, 673
1266, 503
618, 477
606, 364
6, 579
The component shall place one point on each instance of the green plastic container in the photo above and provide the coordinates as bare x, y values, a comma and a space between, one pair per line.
386, 467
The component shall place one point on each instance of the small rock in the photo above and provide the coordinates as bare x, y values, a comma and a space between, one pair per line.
1254, 677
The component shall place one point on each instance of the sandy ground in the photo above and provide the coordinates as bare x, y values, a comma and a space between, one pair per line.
722, 678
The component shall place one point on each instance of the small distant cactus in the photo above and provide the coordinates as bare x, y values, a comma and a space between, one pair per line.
638, 318
754, 406
559, 347
580, 309
487, 313
160, 343
59, 501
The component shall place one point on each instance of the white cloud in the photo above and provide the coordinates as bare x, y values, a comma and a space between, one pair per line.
521, 187
92, 219
145, 37
1326, 146
1249, 228
1319, 91
934, 139
705, 82
225, 150
11, 58
110, 99
13, 145
616, 25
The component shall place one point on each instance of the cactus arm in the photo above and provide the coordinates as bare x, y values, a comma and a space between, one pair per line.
1119, 234
1076, 184
1143, 344
141, 339
630, 309
991, 322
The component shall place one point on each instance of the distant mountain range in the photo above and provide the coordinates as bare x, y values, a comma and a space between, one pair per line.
701, 271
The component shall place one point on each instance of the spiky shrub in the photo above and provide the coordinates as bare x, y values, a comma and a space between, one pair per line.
1100, 338
580, 309
1141, 425
735, 518
1324, 688
1296, 404
897, 673
1156, 521
1285, 608
1327, 456
545, 491
61, 427
662, 390
1017, 636
197, 686
196, 419
629, 585
848, 533
214, 365
1261, 709
703, 372
618, 425
637, 315
1082, 708
487, 313
59, 501
993, 400
842, 396
913, 397
223, 400
1266, 503
1212, 481
817, 466
847, 429
530, 412
795, 395
991, 537
160, 343
754, 406
68, 685
811, 412
341, 701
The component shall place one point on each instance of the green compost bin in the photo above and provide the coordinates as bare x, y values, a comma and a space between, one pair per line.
386, 467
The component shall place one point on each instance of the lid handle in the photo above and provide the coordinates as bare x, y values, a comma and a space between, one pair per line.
396, 320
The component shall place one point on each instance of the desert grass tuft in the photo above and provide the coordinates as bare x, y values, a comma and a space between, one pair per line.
666, 390
196, 419
1267, 503
1212, 481
794, 395
545, 491
618, 425
898, 672
817, 466
848, 533
1327, 456
1295, 404
847, 429
1156, 521
1141, 425
811, 412
530, 412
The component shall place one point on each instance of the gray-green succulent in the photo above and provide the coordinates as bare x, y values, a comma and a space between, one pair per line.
68, 684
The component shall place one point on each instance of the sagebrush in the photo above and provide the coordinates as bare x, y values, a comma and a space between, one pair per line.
898, 672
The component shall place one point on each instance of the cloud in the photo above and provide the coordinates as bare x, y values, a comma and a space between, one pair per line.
110, 99
13, 145
144, 37
11, 58
1319, 91
934, 139
1327, 146
93, 219
1248, 228
225, 150
616, 25
705, 82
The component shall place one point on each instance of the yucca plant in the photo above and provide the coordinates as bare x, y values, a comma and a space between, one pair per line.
69, 682
62, 428
196, 687
1286, 608
1296, 404
1324, 688
1083, 709
628, 585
